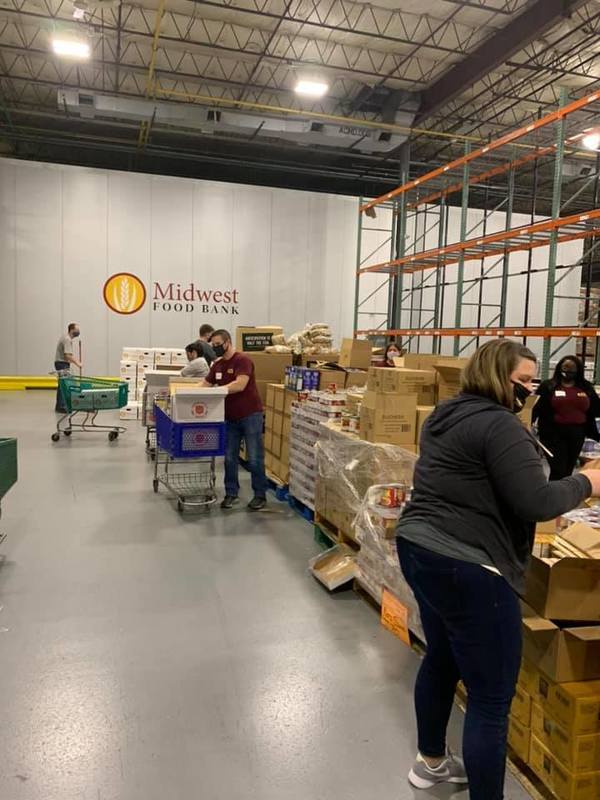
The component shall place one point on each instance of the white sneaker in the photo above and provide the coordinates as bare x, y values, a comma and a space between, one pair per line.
451, 770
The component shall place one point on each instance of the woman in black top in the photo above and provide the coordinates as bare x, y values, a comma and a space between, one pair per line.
566, 413
464, 543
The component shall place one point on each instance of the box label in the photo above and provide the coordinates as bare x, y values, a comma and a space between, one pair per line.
394, 616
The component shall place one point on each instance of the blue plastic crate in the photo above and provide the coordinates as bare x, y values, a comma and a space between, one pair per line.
189, 439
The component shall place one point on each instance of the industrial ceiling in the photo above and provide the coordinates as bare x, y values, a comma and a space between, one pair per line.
206, 88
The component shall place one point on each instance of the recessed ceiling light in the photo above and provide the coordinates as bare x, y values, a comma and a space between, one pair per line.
311, 88
71, 48
591, 141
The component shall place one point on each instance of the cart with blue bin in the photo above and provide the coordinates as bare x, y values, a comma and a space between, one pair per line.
192, 443
87, 397
8, 468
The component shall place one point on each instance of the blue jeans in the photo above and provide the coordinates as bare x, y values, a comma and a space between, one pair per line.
472, 622
250, 429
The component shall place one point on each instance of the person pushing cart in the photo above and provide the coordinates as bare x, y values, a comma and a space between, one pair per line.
63, 359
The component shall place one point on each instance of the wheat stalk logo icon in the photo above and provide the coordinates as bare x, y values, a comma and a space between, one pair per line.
124, 293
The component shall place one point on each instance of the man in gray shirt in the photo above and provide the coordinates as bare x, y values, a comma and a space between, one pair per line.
64, 358
206, 331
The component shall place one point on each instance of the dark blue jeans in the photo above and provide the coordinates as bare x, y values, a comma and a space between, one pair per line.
250, 429
472, 622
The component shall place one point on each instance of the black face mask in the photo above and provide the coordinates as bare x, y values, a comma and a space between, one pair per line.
219, 350
568, 374
520, 395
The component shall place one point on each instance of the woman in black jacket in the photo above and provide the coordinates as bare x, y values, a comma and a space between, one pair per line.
464, 543
566, 413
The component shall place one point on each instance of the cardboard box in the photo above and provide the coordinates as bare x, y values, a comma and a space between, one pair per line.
331, 377
521, 706
268, 441
449, 373
568, 588
563, 654
268, 461
519, 738
422, 413
276, 445
270, 400
254, 339
356, 377
262, 387
388, 418
392, 380
269, 419
287, 426
330, 357
578, 753
199, 405
285, 453
277, 423
279, 397
576, 706
355, 353
563, 784
270, 367
290, 397
534, 682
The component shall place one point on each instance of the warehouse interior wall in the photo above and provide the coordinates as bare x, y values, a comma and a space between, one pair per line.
278, 256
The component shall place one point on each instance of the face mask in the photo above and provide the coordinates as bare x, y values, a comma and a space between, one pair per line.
75, 334
393, 354
219, 350
568, 374
520, 395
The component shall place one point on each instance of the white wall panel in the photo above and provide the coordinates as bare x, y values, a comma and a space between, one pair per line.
85, 239
287, 284
8, 269
40, 318
129, 250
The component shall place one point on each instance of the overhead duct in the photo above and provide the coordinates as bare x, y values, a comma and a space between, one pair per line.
187, 116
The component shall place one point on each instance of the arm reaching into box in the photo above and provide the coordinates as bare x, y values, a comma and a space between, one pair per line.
238, 385
515, 468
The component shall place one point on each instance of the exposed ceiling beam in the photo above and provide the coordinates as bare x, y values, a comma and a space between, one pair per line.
495, 51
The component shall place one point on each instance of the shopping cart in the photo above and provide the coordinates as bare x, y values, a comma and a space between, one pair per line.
197, 443
8, 469
89, 396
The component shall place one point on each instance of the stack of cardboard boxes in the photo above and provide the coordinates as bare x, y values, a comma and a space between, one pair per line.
268, 367
555, 717
278, 406
135, 362
396, 404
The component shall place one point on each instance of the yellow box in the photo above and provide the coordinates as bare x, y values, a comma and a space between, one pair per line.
576, 706
563, 784
270, 398
276, 445
269, 419
578, 753
268, 441
521, 707
277, 423
519, 737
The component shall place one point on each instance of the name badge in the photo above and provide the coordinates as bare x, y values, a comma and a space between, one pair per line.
581, 394
219, 376
560, 393
230, 371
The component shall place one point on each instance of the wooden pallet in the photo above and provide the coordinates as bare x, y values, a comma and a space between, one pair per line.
337, 535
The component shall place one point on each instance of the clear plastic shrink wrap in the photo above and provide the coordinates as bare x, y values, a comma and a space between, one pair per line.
367, 485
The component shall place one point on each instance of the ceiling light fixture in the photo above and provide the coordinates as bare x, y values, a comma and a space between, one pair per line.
311, 88
591, 141
71, 48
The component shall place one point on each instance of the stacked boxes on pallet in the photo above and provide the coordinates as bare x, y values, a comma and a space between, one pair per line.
277, 431
555, 717
306, 418
135, 362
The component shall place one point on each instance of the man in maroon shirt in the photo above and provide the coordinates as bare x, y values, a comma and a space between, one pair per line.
244, 417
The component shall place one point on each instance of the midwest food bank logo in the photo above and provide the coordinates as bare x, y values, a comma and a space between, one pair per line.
124, 293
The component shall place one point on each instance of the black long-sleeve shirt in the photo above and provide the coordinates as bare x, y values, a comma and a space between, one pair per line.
480, 483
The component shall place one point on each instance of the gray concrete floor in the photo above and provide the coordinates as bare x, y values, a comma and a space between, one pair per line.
147, 656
